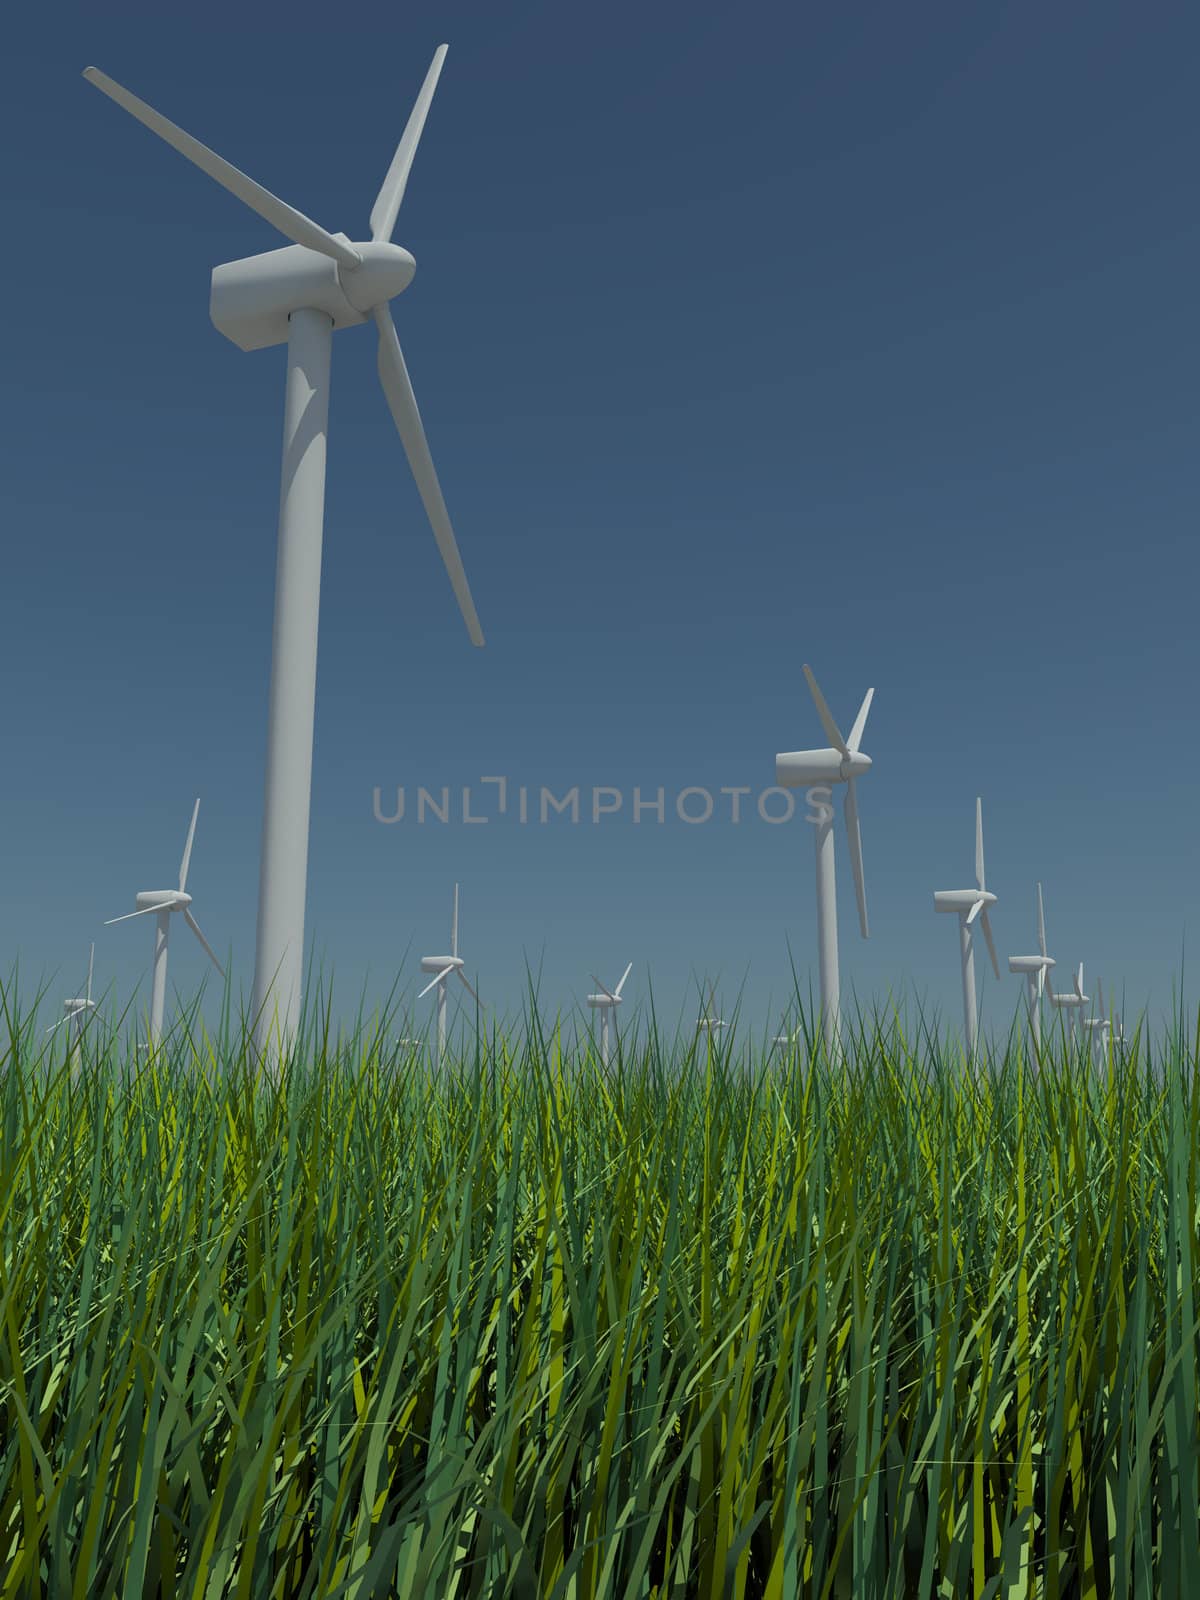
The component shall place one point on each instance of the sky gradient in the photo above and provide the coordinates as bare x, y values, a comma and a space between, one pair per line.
862, 336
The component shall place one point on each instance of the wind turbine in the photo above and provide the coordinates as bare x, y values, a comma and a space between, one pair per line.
162, 903
1098, 1028
843, 763
76, 1013
1070, 1003
443, 966
708, 1021
1035, 970
967, 905
298, 296
604, 1003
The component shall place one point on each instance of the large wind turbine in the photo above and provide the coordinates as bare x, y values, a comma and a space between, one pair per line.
298, 296
162, 902
443, 966
604, 1002
843, 763
969, 904
76, 1013
1035, 970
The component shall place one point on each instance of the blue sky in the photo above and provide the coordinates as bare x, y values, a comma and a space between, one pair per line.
863, 336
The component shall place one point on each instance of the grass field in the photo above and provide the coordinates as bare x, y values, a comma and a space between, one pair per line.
700, 1325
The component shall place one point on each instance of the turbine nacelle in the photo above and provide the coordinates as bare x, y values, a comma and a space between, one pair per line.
162, 900
251, 299
1029, 964
440, 964
798, 769
960, 900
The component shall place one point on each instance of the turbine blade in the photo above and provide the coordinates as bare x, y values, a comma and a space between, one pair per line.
397, 388
624, 975
854, 833
91, 959
1079, 981
434, 982
599, 985
1050, 995
979, 874
60, 1022
470, 991
974, 912
1041, 982
1041, 923
144, 912
293, 224
991, 943
387, 201
187, 849
1099, 999
832, 731
195, 927
454, 925
860, 722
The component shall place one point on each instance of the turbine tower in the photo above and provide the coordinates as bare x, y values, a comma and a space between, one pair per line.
1071, 1003
1035, 970
443, 966
967, 905
604, 1002
299, 296
820, 769
76, 1013
162, 903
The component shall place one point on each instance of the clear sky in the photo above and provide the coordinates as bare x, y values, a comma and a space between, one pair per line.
744, 336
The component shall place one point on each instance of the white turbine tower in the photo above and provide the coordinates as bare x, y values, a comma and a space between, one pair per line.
162, 903
298, 296
76, 1013
604, 1002
1035, 970
843, 763
443, 966
967, 905
1071, 1003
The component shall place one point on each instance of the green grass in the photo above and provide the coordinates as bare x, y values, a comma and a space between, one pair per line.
698, 1326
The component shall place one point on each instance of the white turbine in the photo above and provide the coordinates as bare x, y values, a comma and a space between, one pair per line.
162, 902
1035, 970
443, 966
1071, 1003
1098, 1029
843, 763
76, 1013
604, 1003
298, 296
708, 1021
967, 905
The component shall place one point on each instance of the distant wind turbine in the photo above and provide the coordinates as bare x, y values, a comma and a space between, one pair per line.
1035, 970
162, 903
605, 1002
444, 966
1072, 1002
967, 905
844, 762
77, 1012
